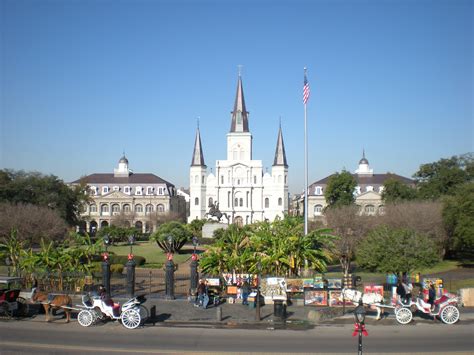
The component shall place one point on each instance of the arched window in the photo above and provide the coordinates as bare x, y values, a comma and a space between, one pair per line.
93, 208
381, 209
267, 202
138, 208
160, 208
280, 201
203, 179
149, 208
196, 201
318, 210
241, 202
236, 202
104, 208
126, 208
228, 199
115, 208
369, 209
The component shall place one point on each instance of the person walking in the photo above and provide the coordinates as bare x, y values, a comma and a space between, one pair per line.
431, 295
401, 291
245, 292
203, 297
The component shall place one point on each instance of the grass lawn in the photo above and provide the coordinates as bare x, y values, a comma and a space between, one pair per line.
155, 257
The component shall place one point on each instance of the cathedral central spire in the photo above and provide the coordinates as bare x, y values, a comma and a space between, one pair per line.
198, 156
240, 121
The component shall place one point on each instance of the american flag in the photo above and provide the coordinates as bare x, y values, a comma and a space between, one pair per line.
306, 90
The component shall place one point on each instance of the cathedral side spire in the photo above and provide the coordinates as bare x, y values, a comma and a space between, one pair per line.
280, 155
240, 121
198, 155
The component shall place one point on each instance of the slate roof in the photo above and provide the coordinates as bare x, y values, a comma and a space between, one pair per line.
145, 178
375, 179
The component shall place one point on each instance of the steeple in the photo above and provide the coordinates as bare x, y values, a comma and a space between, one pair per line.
280, 155
198, 156
240, 121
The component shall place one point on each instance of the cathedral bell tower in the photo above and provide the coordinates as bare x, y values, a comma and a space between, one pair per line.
197, 180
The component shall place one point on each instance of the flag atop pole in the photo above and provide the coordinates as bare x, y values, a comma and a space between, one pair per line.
306, 90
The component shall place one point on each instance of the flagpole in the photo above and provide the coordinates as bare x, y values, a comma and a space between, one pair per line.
305, 166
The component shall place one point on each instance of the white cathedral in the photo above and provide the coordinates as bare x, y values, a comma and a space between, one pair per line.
239, 191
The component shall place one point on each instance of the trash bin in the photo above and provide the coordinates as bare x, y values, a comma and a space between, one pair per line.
279, 309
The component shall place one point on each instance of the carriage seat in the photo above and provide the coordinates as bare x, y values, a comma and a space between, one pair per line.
86, 300
12, 295
442, 299
2, 295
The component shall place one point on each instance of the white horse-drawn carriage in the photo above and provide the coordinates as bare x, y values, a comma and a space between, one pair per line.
446, 307
132, 313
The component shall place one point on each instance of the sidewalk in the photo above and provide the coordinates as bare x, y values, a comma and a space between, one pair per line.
183, 313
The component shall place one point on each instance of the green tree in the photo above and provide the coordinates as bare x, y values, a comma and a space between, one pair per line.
442, 177
12, 247
340, 189
195, 227
117, 234
396, 251
394, 190
458, 217
178, 231
19, 187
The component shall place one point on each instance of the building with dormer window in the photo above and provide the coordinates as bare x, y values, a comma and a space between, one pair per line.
240, 188
367, 193
129, 199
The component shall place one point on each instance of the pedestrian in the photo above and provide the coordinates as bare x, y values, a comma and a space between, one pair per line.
408, 290
431, 296
401, 291
245, 292
203, 296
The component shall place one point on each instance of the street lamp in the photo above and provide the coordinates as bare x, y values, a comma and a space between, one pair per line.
169, 238
359, 314
106, 242
195, 243
257, 308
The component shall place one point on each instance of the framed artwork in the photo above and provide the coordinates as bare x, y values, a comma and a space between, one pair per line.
213, 282
315, 298
336, 301
308, 283
232, 290
294, 285
228, 278
374, 289
335, 283
318, 282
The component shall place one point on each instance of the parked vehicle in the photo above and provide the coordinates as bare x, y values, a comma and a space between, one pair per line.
10, 301
445, 308
132, 313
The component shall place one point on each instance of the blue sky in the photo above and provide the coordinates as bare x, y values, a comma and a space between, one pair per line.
82, 81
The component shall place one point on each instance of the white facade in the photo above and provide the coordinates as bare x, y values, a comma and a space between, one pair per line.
239, 188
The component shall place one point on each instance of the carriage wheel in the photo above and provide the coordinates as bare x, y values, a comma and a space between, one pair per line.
5, 309
144, 314
403, 315
85, 318
131, 318
23, 307
450, 314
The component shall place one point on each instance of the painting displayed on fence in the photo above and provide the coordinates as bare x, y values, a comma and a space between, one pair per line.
294, 285
308, 283
335, 299
334, 283
374, 289
273, 287
318, 282
315, 298
213, 281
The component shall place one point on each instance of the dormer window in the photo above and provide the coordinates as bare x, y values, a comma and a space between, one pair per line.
149, 190
160, 191
126, 190
116, 188
319, 190
93, 190
138, 190
105, 190
369, 188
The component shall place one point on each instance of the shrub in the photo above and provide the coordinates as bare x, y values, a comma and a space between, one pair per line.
116, 268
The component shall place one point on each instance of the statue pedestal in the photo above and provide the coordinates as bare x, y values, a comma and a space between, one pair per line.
209, 228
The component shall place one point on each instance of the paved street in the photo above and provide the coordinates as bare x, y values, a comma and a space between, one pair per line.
181, 328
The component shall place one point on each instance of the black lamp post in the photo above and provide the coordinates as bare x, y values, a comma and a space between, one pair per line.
131, 241
170, 270
106, 267
359, 314
257, 308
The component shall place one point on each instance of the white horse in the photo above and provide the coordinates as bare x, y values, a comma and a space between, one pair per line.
373, 300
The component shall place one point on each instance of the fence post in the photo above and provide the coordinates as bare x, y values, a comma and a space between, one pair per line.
194, 276
170, 278
131, 276
106, 274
